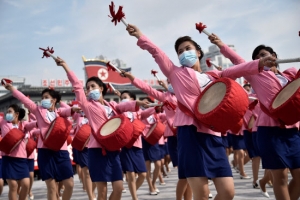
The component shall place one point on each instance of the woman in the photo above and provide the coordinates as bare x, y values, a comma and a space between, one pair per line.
54, 166
132, 159
279, 145
14, 165
183, 188
103, 168
192, 136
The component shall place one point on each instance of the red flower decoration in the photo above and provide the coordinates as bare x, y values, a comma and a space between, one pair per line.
153, 72
208, 63
110, 67
47, 50
200, 27
116, 17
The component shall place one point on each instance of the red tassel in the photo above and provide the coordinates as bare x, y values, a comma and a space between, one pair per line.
116, 17
45, 50
153, 72
4, 81
109, 67
200, 27
208, 62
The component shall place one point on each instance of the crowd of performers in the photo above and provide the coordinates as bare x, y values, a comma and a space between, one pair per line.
199, 153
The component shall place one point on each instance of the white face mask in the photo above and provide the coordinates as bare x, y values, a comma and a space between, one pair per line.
125, 100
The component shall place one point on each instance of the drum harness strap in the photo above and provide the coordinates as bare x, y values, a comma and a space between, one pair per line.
187, 111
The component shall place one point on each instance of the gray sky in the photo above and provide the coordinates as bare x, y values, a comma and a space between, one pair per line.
76, 28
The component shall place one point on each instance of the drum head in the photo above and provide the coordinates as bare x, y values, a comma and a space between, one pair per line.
151, 129
251, 122
110, 126
212, 98
286, 93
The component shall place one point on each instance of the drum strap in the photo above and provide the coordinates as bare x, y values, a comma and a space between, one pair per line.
267, 112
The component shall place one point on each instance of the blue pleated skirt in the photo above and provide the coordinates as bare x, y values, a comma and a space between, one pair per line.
104, 168
54, 164
14, 168
279, 148
201, 154
172, 147
83, 157
132, 160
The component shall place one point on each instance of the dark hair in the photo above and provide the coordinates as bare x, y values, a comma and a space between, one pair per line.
247, 84
259, 48
131, 95
149, 99
180, 40
98, 82
19, 110
54, 94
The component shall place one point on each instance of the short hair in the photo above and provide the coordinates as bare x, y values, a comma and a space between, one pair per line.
19, 110
180, 40
148, 98
53, 93
99, 82
131, 95
260, 47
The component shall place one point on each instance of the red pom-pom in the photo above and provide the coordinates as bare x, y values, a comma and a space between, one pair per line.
200, 27
4, 81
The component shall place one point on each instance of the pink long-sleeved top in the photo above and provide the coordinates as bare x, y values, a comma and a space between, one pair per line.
160, 96
20, 150
94, 111
41, 116
266, 85
184, 81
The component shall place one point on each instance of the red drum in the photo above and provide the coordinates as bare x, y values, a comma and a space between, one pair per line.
69, 140
286, 104
138, 128
237, 128
57, 133
11, 140
222, 105
30, 146
155, 133
115, 133
82, 137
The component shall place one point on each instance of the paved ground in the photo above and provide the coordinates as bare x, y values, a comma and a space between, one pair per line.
243, 189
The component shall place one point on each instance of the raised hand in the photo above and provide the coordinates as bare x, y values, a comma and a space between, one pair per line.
134, 31
268, 61
215, 40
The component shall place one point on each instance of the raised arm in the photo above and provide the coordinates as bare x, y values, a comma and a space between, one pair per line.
21, 97
146, 88
78, 87
163, 61
225, 50
248, 68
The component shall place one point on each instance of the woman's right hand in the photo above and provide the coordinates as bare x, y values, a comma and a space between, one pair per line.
9, 86
216, 40
61, 62
128, 75
134, 31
